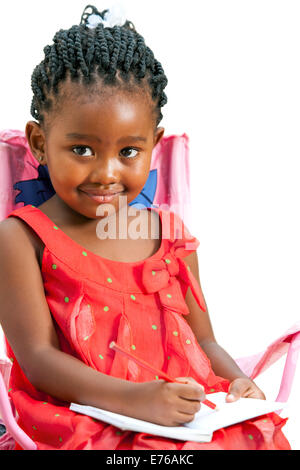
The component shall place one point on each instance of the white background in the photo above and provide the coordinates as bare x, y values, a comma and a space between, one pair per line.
234, 72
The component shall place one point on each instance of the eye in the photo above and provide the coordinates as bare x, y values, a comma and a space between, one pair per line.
127, 151
82, 148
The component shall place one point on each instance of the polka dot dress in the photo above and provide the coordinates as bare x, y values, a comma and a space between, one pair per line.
139, 305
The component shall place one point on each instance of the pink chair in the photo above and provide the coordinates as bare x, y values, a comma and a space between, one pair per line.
289, 344
23, 181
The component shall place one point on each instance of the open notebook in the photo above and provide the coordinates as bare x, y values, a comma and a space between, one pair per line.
201, 429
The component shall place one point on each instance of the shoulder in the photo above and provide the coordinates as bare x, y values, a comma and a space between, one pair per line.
16, 238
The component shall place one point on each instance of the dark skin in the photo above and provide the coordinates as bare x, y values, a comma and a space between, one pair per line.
26, 319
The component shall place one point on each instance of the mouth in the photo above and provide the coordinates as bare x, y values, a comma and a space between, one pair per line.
103, 197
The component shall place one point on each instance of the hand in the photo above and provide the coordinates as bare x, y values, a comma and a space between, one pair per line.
167, 403
243, 387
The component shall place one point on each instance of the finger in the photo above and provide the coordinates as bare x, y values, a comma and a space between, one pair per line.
196, 393
182, 418
237, 389
189, 406
254, 393
190, 391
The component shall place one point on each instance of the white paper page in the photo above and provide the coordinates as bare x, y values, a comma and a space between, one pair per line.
201, 428
138, 425
231, 413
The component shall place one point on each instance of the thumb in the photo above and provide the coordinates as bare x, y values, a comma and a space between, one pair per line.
236, 390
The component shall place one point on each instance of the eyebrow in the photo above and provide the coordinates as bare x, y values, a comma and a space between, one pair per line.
75, 135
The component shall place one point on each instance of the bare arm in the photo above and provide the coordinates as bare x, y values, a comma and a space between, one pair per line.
199, 321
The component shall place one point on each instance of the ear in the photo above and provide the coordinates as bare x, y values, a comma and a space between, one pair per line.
158, 135
36, 141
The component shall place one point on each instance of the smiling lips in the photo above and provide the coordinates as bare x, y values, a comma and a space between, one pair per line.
102, 196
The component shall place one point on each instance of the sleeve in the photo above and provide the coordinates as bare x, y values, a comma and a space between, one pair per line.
184, 242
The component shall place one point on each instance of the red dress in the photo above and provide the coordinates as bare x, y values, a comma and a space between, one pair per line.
140, 305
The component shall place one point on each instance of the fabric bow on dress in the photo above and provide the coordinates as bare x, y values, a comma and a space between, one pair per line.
161, 276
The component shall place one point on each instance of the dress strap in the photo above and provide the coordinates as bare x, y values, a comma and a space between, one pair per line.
46, 230
57, 243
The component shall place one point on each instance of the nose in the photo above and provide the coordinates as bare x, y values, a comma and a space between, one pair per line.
106, 171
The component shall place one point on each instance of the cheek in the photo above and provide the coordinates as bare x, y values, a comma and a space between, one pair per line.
63, 172
139, 173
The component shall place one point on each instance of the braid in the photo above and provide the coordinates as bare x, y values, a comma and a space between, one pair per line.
116, 49
90, 51
70, 39
104, 51
129, 53
85, 53
80, 56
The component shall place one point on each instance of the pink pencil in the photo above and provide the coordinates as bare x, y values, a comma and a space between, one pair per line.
158, 372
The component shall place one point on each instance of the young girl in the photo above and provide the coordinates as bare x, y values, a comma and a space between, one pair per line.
67, 292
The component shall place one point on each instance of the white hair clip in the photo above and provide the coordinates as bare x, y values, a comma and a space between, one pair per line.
115, 16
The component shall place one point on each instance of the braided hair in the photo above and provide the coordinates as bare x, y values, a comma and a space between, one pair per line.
116, 55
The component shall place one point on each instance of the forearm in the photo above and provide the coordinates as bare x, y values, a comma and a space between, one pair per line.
68, 379
222, 363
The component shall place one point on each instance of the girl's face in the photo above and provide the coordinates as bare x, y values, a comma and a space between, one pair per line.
95, 144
